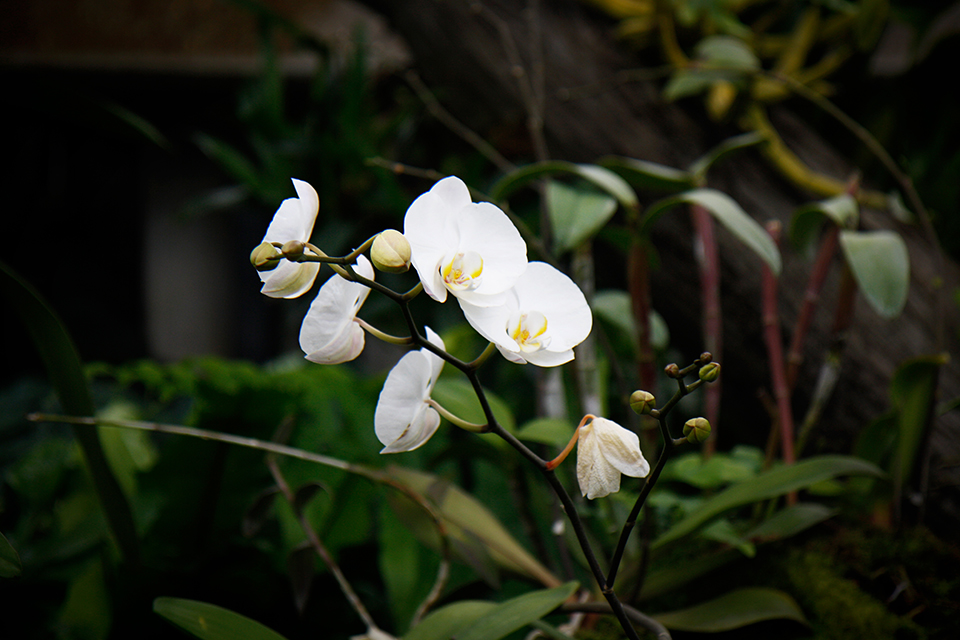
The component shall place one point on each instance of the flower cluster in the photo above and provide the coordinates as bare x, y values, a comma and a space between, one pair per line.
531, 312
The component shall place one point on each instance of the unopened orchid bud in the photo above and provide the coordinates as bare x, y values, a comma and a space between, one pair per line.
672, 370
265, 257
390, 252
292, 250
709, 372
642, 402
696, 429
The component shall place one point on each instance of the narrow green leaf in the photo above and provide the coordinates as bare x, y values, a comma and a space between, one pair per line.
648, 175
210, 622
469, 521
881, 267
912, 393
63, 366
600, 177
446, 622
842, 210
791, 521
728, 213
9, 559
729, 146
234, 163
614, 307
734, 610
675, 575
576, 213
722, 530
775, 482
513, 614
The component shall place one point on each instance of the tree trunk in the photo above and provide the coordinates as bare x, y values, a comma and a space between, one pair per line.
463, 50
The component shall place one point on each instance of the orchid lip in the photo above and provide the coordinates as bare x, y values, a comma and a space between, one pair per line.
463, 271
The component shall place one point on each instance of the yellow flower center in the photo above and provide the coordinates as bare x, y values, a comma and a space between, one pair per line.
528, 330
463, 271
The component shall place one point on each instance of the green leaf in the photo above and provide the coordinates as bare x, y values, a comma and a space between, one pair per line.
735, 59
598, 176
728, 213
234, 163
769, 484
446, 622
729, 146
63, 366
614, 307
576, 213
458, 397
469, 522
720, 469
842, 210
734, 610
791, 521
513, 614
881, 267
86, 612
722, 530
912, 393
552, 431
648, 175
9, 559
210, 622
673, 576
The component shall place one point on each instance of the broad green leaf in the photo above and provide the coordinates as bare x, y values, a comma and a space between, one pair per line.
448, 621
648, 175
729, 146
210, 622
734, 610
86, 613
842, 210
791, 521
727, 51
552, 431
576, 213
732, 60
769, 484
9, 559
63, 366
470, 522
401, 562
720, 469
676, 574
457, 396
912, 393
598, 176
513, 614
722, 530
728, 213
614, 307
881, 267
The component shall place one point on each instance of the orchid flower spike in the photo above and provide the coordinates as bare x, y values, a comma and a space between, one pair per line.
604, 451
541, 319
404, 420
294, 220
330, 333
471, 250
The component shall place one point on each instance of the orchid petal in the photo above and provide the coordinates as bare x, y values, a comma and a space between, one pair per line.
329, 334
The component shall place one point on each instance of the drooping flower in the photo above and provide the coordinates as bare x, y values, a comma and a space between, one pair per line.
403, 419
604, 451
294, 220
329, 333
470, 249
540, 320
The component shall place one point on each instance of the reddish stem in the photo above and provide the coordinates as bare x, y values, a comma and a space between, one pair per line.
638, 282
709, 260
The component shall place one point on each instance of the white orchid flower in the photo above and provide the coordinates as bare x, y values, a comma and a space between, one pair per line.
540, 320
404, 420
294, 220
330, 333
470, 249
606, 450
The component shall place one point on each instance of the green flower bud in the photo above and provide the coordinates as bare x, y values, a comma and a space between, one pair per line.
710, 372
292, 249
696, 429
706, 357
642, 402
265, 257
390, 252
672, 370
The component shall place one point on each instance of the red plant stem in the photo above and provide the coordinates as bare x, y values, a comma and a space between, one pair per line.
638, 282
821, 267
709, 260
771, 332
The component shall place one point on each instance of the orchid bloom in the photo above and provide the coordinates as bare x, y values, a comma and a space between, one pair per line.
604, 451
294, 220
541, 319
404, 420
330, 333
470, 249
